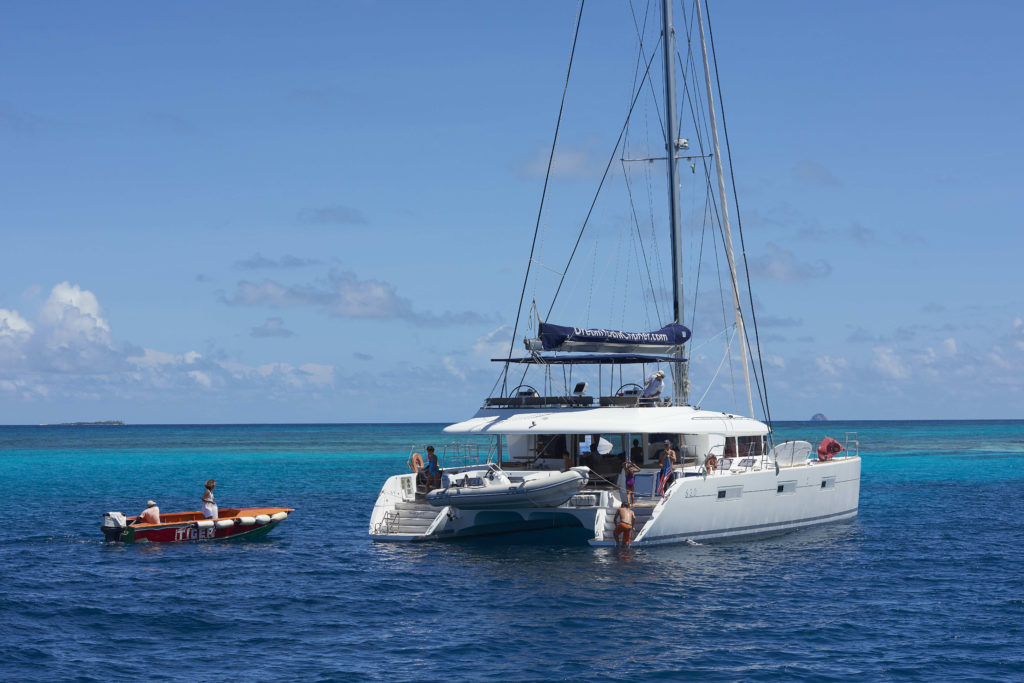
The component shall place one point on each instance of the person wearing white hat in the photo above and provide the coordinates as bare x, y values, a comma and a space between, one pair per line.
151, 515
654, 385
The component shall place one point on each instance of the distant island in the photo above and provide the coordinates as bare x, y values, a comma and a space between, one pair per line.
818, 417
117, 423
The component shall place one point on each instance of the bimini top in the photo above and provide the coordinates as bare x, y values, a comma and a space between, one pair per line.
608, 420
592, 359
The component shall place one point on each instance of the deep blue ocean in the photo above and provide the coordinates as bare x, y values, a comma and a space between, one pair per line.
927, 584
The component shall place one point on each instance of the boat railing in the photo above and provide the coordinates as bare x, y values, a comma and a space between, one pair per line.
388, 524
452, 455
628, 401
539, 401
852, 445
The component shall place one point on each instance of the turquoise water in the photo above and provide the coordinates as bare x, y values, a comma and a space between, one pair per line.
926, 584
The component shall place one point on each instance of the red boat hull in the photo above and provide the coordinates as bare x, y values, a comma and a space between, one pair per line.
176, 527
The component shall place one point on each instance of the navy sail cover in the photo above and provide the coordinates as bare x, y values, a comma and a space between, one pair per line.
560, 338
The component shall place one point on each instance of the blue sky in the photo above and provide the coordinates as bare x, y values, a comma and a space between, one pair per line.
256, 212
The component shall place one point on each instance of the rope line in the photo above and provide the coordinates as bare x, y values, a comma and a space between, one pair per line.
743, 249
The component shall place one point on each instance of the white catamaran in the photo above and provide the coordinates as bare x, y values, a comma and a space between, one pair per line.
562, 459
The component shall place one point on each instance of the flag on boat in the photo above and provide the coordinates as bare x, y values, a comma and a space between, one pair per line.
666, 474
560, 338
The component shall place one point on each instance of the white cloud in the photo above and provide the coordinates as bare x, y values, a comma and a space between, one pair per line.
494, 344
68, 351
453, 368
12, 324
152, 359
887, 362
831, 366
784, 266
71, 316
273, 327
344, 294
577, 162
201, 378
320, 375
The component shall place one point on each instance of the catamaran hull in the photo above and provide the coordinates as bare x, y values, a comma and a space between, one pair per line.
719, 507
752, 504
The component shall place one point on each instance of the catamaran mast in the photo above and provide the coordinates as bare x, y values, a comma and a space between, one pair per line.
680, 380
725, 212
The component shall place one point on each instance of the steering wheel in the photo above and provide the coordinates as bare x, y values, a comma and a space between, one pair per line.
628, 385
515, 392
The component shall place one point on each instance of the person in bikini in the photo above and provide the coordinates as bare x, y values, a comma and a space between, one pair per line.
624, 519
631, 469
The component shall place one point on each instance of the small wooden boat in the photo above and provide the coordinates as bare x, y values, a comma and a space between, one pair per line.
233, 523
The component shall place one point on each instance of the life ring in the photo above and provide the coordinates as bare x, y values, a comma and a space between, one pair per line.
710, 462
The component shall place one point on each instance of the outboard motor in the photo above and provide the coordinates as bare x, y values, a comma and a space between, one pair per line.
114, 524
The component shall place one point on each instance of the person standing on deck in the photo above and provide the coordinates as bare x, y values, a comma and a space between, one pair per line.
209, 506
668, 463
624, 519
630, 468
668, 453
636, 453
416, 465
654, 386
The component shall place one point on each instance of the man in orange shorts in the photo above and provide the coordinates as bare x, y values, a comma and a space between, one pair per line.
624, 519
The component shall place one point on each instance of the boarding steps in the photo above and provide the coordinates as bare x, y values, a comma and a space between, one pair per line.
643, 515
411, 519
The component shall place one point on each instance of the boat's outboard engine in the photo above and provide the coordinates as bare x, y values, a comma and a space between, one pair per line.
114, 525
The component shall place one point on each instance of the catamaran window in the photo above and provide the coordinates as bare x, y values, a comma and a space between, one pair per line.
751, 445
656, 444
692, 446
618, 442
549, 446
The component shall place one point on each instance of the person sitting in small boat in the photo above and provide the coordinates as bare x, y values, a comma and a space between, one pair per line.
151, 515
209, 506
624, 518
654, 385
432, 471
